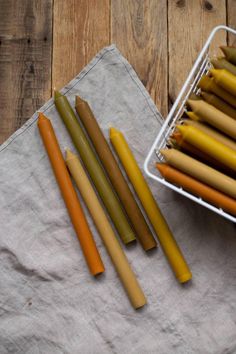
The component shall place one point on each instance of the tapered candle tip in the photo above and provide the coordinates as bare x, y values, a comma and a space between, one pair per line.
214, 72
181, 128
78, 100
57, 94
41, 117
162, 168
113, 131
69, 154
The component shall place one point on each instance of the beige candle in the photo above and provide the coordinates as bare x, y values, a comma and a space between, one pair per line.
214, 117
106, 232
200, 171
212, 132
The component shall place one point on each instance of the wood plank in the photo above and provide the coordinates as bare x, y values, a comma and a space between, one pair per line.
81, 28
190, 23
25, 60
231, 20
139, 29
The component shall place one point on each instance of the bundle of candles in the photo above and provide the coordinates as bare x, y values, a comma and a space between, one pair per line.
116, 199
201, 157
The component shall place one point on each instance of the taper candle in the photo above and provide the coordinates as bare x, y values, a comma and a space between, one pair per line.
212, 132
214, 117
219, 104
197, 188
106, 232
200, 171
167, 241
114, 173
208, 84
230, 53
209, 145
225, 79
69, 195
94, 169
222, 63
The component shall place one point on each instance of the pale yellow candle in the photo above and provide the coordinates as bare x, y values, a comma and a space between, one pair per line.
167, 241
225, 79
200, 171
212, 132
209, 145
106, 232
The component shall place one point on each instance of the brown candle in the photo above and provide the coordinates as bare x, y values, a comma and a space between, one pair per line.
110, 165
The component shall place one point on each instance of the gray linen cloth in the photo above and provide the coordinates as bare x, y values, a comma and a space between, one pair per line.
49, 303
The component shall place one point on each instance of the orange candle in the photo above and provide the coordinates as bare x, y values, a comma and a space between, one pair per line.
70, 197
197, 188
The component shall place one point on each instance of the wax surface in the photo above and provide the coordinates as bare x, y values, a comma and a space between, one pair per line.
106, 232
208, 84
219, 104
94, 169
225, 79
114, 173
222, 63
230, 53
213, 133
209, 145
70, 197
214, 117
198, 188
167, 241
193, 116
200, 171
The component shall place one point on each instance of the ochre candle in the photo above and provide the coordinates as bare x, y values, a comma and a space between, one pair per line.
114, 173
167, 241
209, 145
193, 116
230, 53
219, 104
209, 85
200, 171
222, 63
212, 132
69, 195
106, 232
214, 117
94, 169
198, 188
225, 79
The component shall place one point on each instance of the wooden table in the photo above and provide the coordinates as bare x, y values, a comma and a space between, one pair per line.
44, 43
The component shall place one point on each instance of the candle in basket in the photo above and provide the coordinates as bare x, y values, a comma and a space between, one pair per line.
222, 63
114, 173
225, 79
219, 104
197, 188
208, 84
94, 169
230, 53
209, 145
106, 232
167, 241
69, 195
200, 171
214, 117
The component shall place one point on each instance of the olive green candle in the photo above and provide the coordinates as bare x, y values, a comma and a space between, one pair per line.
219, 103
208, 84
94, 168
115, 175
222, 63
230, 53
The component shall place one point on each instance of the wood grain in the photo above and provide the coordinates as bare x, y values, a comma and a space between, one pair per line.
80, 29
25, 60
190, 23
231, 19
139, 29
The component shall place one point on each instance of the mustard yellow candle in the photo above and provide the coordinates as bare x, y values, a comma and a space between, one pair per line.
209, 145
167, 241
225, 79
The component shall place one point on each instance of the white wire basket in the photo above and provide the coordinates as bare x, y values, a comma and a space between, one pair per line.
200, 67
